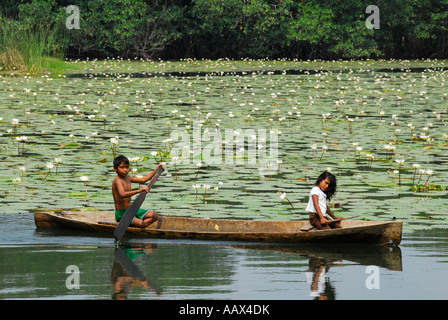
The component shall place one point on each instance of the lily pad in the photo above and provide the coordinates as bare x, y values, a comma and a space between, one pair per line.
147, 106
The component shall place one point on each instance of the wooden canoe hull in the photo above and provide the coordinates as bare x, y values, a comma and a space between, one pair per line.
352, 231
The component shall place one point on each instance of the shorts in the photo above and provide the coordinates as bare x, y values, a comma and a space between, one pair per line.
315, 221
141, 213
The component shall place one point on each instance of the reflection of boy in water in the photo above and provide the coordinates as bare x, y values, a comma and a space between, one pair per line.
321, 289
121, 279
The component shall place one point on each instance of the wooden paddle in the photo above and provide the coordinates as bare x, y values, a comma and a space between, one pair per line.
336, 220
133, 208
309, 227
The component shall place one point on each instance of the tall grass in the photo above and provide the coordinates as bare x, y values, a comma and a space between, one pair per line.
31, 50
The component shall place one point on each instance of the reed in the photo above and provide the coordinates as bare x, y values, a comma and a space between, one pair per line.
31, 50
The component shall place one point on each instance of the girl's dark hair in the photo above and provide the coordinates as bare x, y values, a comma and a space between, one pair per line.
119, 160
333, 185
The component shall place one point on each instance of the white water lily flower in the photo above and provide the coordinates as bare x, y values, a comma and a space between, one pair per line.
84, 178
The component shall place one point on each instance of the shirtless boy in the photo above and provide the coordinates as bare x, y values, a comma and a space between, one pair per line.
121, 190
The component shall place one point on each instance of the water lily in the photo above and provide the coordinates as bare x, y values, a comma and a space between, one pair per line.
19, 140
199, 165
284, 197
324, 148
175, 162
429, 173
400, 163
422, 172
370, 157
231, 116
84, 179
22, 170
415, 166
314, 147
216, 189
94, 135
359, 149
57, 161
390, 149
279, 162
196, 187
206, 187
114, 142
15, 124
350, 120
50, 166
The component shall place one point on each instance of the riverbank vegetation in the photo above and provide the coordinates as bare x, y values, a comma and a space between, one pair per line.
214, 29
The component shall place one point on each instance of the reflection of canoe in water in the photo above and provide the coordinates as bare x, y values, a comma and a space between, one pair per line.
352, 231
388, 257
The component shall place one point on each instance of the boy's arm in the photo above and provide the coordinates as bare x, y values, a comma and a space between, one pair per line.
127, 194
148, 176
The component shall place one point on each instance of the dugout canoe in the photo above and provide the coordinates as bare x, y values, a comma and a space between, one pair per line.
352, 231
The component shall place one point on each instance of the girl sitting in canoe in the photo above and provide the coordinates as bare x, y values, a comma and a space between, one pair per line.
323, 190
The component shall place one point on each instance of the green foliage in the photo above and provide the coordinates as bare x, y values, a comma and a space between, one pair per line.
428, 187
328, 29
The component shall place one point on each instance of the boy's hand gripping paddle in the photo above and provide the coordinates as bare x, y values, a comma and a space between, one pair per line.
133, 208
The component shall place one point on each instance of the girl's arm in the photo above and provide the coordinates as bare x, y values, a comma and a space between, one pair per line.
332, 214
316, 206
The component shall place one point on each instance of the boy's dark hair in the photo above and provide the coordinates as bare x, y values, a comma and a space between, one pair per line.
333, 185
119, 160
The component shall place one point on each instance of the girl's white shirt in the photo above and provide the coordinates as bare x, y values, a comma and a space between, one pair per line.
322, 201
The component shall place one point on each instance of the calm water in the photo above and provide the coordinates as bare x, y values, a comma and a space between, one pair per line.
41, 264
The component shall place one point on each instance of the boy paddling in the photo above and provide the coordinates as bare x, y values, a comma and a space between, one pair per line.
121, 190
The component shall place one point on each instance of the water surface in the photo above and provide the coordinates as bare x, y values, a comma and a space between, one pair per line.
34, 266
